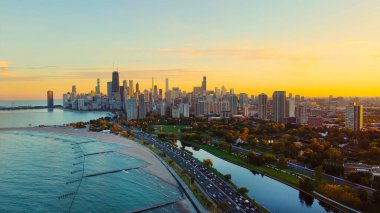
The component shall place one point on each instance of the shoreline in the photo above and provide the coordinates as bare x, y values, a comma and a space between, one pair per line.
133, 149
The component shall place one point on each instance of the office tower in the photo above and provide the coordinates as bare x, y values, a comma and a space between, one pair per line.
142, 110
204, 84
73, 92
115, 81
232, 91
155, 93
243, 99
50, 99
160, 94
97, 89
290, 108
301, 114
109, 89
290, 95
131, 89
224, 91
166, 85
279, 98
233, 102
354, 117
263, 100
186, 110
137, 87
131, 109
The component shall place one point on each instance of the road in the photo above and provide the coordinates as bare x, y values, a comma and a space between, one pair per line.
216, 188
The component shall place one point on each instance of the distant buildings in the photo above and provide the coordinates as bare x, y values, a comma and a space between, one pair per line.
50, 99
137, 103
354, 117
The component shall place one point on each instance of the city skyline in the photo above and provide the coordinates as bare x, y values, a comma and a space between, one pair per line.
311, 48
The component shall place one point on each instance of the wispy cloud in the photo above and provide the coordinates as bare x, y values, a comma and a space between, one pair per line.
4, 72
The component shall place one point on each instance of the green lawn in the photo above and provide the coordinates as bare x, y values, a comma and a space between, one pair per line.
169, 128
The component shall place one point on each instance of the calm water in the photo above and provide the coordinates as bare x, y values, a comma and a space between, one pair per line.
24, 118
27, 103
35, 169
273, 195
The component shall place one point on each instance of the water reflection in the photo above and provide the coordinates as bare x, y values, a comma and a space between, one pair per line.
272, 194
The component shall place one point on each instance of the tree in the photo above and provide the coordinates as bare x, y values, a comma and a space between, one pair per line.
227, 177
306, 184
208, 162
243, 190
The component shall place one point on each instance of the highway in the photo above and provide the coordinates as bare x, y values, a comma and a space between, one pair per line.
216, 188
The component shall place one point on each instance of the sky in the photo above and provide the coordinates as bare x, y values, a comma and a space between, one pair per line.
307, 47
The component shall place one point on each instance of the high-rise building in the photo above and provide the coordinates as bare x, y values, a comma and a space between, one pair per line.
50, 99
204, 84
233, 102
131, 89
166, 84
142, 110
279, 98
354, 117
262, 103
73, 92
131, 109
109, 89
97, 89
115, 81
137, 87
301, 114
290, 108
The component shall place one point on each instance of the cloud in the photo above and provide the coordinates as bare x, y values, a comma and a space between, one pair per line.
4, 73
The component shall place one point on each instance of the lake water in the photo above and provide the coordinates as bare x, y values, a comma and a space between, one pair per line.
44, 172
272, 194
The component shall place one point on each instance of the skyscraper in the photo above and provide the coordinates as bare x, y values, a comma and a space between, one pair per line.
97, 89
137, 87
354, 117
142, 111
166, 85
109, 89
131, 89
73, 92
115, 81
131, 109
204, 84
50, 99
279, 98
263, 100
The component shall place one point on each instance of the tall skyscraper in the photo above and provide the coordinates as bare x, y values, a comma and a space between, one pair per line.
279, 98
142, 110
115, 81
131, 89
263, 100
166, 84
290, 108
137, 87
354, 117
97, 89
223, 91
50, 99
109, 89
204, 84
73, 92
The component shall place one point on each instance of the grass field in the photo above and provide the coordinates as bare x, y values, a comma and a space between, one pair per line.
169, 128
